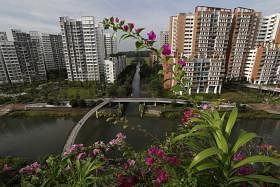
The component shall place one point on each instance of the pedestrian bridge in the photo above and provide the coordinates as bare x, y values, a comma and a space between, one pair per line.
75, 130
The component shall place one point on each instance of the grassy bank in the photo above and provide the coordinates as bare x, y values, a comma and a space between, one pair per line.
72, 113
257, 114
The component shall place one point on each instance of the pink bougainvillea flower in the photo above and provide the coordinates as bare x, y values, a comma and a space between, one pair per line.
74, 148
6, 168
238, 157
95, 152
173, 160
81, 156
245, 170
162, 177
187, 116
149, 161
154, 151
265, 147
34, 167
119, 140
125, 28
126, 181
138, 30
131, 25
117, 20
152, 36
182, 62
121, 136
204, 106
166, 49
131, 162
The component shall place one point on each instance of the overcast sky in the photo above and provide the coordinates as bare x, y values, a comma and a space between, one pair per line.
42, 15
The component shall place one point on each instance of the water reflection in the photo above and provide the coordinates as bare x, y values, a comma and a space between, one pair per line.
33, 137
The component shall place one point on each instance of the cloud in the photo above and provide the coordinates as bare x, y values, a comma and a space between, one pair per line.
42, 15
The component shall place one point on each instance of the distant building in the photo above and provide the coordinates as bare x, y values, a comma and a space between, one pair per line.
245, 24
3, 36
266, 63
79, 38
30, 57
269, 30
10, 71
110, 43
203, 38
263, 61
51, 48
57, 52
228, 45
113, 67
180, 34
164, 37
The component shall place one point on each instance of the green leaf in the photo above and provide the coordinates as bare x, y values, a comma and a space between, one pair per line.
231, 121
183, 136
176, 88
262, 178
140, 30
258, 158
122, 22
242, 140
203, 155
209, 165
160, 72
221, 141
138, 44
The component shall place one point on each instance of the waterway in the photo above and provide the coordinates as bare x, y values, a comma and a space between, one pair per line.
36, 137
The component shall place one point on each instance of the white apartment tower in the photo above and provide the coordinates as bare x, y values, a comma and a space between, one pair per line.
30, 57
10, 71
79, 37
113, 67
262, 63
110, 43
268, 30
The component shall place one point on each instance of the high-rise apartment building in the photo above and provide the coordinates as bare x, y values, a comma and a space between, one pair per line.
221, 43
29, 56
57, 52
262, 63
203, 38
212, 27
265, 64
3, 36
50, 46
110, 44
164, 37
244, 30
10, 71
45, 48
269, 30
79, 38
113, 67
180, 34
41, 70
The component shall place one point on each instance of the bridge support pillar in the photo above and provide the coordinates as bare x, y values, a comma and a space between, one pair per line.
155, 104
96, 114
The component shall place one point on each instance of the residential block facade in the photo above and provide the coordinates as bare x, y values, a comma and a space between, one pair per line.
79, 38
